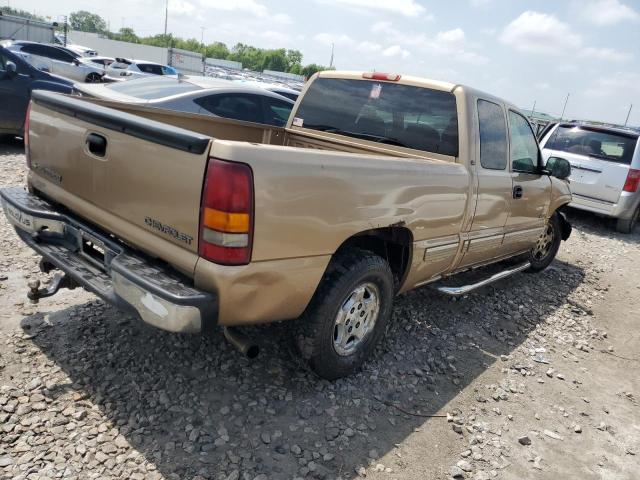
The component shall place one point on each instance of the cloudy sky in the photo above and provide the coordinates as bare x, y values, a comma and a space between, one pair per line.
524, 51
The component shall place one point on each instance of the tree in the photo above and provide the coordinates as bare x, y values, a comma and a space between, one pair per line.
217, 50
126, 34
87, 22
312, 68
294, 60
21, 13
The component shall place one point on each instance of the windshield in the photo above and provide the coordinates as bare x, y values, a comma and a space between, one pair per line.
412, 117
153, 88
594, 142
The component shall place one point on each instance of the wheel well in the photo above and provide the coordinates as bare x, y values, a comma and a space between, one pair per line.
394, 244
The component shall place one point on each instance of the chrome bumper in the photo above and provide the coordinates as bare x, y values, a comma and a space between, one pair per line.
157, 294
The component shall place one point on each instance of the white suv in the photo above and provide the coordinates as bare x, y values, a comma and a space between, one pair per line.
605, 168
57, 60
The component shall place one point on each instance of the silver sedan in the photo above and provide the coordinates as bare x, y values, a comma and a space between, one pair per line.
202, 95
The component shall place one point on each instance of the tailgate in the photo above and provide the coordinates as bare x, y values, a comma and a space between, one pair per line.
139, 179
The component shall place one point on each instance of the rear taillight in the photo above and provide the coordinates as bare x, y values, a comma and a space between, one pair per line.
226, 214
633, 181
26, 136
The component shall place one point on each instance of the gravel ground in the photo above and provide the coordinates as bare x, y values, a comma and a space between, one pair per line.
534, 377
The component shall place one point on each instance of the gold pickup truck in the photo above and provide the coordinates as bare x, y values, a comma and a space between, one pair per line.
378, 184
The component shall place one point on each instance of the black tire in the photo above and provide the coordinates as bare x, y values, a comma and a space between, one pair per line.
630, 224
93, 77
540, 260
316, 329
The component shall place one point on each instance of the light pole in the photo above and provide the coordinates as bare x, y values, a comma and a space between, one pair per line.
565, 107
628, 114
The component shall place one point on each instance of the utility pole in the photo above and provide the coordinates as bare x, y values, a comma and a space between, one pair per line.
66, 29
202, 36
565, 107
333, 45
628, 114
166, 16
534, 107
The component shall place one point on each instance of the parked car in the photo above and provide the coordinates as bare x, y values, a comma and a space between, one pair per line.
56, 60
101, 62
126, 69
378, 185
17, 80
605, 162
202, 95
59, 40
279, 89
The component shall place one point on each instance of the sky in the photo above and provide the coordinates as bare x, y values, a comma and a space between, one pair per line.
523, 51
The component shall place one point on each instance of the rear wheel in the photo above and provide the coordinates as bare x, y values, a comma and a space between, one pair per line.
348, 314
94, 77
630, 224
546, 247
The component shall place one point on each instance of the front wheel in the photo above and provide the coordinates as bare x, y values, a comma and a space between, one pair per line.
348, 314
547, 246
94, 78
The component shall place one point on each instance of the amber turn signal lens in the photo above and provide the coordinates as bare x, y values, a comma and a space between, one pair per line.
226, 222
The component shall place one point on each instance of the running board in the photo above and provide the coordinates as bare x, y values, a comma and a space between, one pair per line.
459, 291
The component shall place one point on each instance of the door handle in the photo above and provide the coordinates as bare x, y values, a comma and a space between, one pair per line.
517, 192
97, 144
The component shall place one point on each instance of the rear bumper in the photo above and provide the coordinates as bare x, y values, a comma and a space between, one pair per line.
121, 276
623, 208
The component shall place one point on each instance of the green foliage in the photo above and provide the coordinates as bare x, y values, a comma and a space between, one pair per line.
21, 13
312, 68
87, 22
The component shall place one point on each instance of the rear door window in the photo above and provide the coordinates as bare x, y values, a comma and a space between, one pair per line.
387, 113
594, 142
493, 136
150, 68
277, 111
237, 106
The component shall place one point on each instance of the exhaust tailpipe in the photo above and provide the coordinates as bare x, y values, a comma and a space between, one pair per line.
243, 343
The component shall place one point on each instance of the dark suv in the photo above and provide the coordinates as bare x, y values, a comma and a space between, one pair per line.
17, 80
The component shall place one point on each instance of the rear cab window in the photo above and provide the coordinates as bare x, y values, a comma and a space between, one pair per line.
493, 136
419, 118
602, 144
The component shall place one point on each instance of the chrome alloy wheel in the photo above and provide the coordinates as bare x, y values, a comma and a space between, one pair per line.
544, 243
356, 318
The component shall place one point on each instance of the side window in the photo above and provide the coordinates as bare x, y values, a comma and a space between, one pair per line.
60, 55
524, 149
237, 106
493, 136
32, 50
150, 68
277, 111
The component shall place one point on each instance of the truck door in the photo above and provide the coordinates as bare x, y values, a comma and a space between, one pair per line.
531, 189
494, 186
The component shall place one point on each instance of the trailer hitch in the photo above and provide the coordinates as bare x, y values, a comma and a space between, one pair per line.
59, 280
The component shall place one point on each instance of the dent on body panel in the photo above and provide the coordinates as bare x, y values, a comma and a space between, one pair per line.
311, 209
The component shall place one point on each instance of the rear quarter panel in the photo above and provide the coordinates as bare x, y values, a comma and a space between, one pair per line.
308, 202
